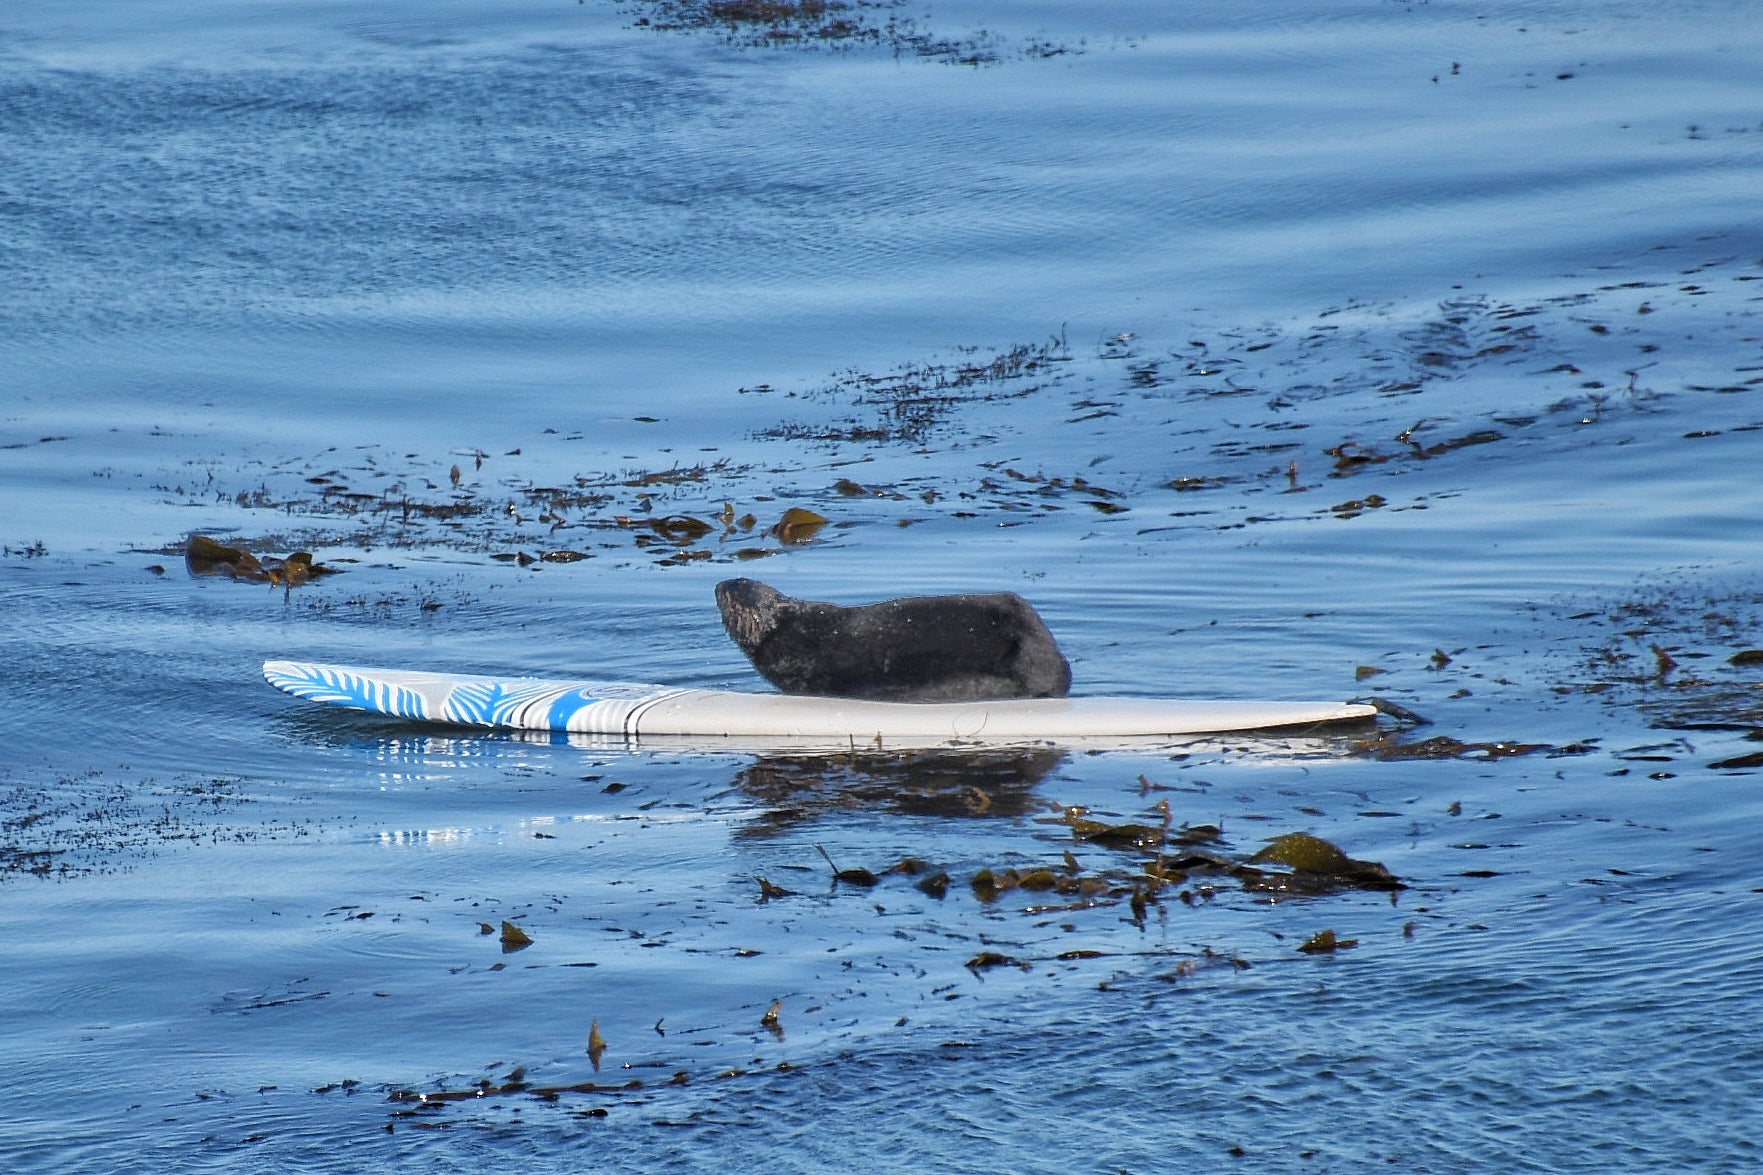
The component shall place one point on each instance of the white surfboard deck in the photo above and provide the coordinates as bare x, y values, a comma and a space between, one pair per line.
632, 711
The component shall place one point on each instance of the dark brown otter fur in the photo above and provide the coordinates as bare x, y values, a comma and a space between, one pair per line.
917, 649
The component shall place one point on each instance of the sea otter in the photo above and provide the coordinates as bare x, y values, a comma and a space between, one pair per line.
916, 649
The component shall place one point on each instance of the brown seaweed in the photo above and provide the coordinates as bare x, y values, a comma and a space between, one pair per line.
204, 556
1320, 865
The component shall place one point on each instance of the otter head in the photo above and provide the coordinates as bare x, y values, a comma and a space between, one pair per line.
749, 610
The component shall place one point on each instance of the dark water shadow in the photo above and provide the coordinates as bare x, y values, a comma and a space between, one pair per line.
957, 782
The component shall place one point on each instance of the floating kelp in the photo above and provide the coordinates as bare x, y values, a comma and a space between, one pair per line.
932, 881
596, 1045
911, 403
675, 528
1324, 942
1100, 498
768, 891
936, 885
513, 1085
1115, 836
1350, 456
758, 22
858, 877
1317, 866
1133, 835
989, 884
89, 823
1354, 507
836, 24
204, 556
514, 938
1307, 865
1443, 746
1293, 864
1680, 654
798, 525
415, 511
942, 406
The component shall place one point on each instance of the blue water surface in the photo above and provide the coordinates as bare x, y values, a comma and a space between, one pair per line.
1343, 349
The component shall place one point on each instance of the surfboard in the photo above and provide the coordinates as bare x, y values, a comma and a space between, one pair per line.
632, 710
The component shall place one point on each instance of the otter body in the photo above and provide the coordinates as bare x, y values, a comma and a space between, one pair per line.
917, 649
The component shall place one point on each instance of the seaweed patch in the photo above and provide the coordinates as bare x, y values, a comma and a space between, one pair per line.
1232, 428
1681, 654
204, 556
914, 403
836, 25
100, 822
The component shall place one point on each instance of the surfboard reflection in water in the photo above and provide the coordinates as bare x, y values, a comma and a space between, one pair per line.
976, 782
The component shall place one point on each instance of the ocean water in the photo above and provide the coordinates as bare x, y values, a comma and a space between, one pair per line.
1407, 350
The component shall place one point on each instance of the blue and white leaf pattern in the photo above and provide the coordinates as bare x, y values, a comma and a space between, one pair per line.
340, 687
498, 703
593, 707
